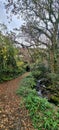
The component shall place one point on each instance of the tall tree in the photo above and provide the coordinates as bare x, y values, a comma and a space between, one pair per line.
42, 24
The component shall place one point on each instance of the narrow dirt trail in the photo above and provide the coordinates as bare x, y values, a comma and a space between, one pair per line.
12, 117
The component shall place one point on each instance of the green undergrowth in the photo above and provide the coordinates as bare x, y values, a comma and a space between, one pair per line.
10, 75
44, 115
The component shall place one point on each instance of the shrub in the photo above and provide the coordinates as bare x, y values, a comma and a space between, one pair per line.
8, 63
40, 71
36, 74
54, 77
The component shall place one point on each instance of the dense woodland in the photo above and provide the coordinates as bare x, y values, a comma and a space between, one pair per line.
40, 58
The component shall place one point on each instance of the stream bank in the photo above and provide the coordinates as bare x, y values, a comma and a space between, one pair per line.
47, 91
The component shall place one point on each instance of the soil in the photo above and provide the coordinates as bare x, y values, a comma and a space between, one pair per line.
12, 116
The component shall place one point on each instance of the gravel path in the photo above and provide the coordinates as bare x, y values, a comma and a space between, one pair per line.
12, 117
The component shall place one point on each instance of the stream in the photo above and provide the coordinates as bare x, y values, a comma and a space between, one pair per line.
41, 88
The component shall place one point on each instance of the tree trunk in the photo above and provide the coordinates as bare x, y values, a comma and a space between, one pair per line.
52, 63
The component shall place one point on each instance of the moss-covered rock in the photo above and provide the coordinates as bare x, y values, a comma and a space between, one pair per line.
54, 99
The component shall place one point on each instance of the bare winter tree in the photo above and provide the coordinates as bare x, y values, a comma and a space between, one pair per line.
42, 23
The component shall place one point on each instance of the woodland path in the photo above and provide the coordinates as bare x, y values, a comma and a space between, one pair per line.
12, 117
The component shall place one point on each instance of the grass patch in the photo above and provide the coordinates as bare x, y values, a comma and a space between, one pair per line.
44, 116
